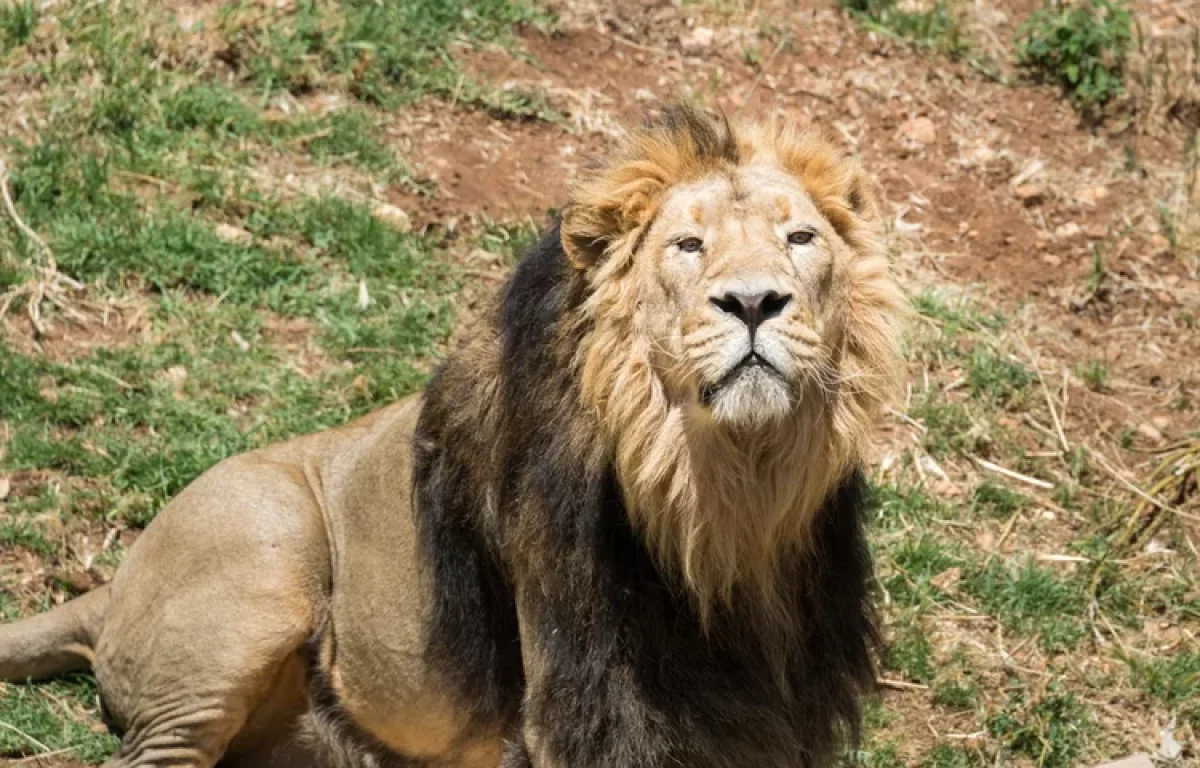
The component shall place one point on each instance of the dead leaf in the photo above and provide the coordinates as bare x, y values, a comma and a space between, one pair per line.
947, 579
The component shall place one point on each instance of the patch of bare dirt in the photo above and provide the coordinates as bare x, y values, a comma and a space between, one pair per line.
91, 325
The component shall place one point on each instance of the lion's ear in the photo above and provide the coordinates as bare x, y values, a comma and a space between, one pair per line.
586, 233
861, 194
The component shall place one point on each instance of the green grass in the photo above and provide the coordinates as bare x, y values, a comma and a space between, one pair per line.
41, 716
911, 655
1094, 373
957, 318
1082, 47
1049, 730
940, 27
951, 756
1175, 682
950, 428
1030, 598
381, 53
997, 501
997, 379
18, 20
918, 561
954, 694
943, 578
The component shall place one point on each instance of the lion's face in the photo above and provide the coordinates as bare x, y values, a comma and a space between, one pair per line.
744, 291
737, 336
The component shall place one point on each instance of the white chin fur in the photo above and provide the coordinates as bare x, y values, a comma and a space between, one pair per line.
754, 400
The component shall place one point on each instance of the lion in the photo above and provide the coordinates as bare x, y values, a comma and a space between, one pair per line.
620, 527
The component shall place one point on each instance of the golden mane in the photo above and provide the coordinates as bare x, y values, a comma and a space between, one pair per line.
720, 508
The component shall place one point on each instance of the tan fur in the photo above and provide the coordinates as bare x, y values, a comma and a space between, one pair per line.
721, 505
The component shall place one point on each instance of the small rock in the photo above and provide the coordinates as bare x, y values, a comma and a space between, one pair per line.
1169, 747
393, 215
1133, 761
5, 488
1031, 194
853, 108
1159, 244
1150, 433
364, 296
1159, 422
981, 155
698, 40
920, 130
232, 234
644, 94
1052, 260
1092, 195
1070, 229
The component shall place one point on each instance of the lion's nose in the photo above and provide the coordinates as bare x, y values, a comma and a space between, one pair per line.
753, 309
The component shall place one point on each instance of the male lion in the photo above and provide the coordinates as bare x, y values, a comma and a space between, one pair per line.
619, 529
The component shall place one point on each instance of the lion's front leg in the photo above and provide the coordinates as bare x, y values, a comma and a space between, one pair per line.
585, 706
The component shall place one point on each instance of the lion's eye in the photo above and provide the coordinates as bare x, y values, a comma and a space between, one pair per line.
800, 237
690, 245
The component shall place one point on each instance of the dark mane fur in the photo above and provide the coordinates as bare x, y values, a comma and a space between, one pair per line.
525, 537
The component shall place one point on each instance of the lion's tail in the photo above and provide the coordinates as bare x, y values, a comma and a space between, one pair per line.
55, 642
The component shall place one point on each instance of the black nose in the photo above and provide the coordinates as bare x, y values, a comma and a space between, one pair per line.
753, 309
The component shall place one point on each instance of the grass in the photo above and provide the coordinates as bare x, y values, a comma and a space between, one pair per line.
382, 53
940, 26
950, 756
18, 20
1048, 729
911, 655
997, 380
36, 719
1042, 597
997, 501
1030, 598
1094, 373
1175, 682
1082, 47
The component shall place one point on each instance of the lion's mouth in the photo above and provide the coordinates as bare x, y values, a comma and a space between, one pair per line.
751, 362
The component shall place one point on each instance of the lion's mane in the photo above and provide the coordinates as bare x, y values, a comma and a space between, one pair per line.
561, 506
